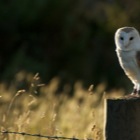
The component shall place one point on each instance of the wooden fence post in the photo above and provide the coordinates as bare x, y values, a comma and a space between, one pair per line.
122, 119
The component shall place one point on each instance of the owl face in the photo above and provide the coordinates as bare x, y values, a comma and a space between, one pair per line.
126, 38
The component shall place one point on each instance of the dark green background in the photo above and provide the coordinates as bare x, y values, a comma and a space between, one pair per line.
72, 39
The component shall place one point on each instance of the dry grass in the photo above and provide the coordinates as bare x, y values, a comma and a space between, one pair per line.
80, 116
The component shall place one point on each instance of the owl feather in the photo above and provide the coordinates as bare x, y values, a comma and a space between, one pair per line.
127, 40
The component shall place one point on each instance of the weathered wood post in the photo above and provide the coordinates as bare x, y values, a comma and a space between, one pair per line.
122, 119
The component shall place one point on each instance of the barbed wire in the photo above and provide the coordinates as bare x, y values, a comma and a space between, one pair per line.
43, 136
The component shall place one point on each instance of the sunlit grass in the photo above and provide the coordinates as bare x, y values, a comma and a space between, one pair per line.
81, 115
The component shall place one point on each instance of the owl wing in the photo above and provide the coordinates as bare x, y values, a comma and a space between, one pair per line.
138, 58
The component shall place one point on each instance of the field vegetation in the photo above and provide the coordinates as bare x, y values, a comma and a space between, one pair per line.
40, 109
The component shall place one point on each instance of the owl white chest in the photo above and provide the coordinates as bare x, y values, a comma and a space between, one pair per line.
128, 62
126, 57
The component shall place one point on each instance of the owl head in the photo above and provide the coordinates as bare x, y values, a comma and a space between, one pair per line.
127, 38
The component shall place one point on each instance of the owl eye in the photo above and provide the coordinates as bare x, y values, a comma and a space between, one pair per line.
131, 38
121, 38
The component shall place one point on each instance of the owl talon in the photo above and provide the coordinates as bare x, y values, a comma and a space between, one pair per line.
134, 91
132, 95
136, 95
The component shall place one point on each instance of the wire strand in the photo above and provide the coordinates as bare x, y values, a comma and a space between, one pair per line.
43, 136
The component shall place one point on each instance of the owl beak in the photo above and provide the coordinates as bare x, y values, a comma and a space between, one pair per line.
127, 45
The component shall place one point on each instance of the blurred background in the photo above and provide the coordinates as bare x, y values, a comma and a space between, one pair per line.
69, 39
69, 46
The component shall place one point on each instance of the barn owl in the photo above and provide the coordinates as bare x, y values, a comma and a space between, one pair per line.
127, 40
